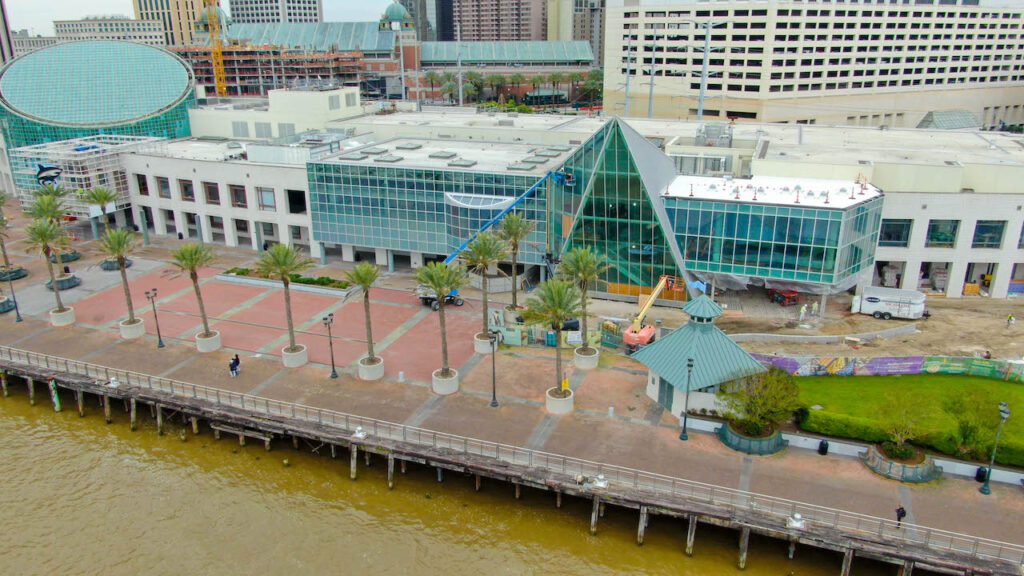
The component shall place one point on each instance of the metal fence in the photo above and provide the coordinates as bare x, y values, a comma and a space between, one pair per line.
856, 525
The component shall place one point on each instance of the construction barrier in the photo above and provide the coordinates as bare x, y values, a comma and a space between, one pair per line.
1012, 371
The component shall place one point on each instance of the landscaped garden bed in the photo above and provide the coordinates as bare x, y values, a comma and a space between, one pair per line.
323, 281
954, 415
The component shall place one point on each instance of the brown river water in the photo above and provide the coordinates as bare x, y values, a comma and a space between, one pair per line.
79, 496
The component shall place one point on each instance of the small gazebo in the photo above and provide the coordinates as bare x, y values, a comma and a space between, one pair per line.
716, 358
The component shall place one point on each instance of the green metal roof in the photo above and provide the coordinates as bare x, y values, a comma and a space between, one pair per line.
94, 83
500, 52
545, 92
319, 36
949, 120
716, 358
702, 307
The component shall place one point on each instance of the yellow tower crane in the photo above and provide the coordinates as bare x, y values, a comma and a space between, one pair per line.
220, 78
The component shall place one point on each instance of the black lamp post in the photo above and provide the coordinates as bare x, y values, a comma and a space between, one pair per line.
151, 296
492, 335
14, 298
328, 322
1004, 414
686, 403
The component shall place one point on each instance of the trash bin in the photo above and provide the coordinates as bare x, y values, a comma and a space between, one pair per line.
551, 338
181, 236
823, 447
979, 476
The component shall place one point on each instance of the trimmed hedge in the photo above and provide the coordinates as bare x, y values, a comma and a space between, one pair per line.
1011, 453
325, 281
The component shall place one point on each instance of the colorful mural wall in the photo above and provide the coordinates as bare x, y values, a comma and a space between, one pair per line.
895, 365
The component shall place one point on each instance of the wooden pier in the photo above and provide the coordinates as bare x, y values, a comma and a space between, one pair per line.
849, 534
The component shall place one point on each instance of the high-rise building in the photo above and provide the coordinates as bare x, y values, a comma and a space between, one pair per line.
821, 62
178, 18
433, 19
577, 20
257, 11
111, 28
23, 42
6, 44
488, 20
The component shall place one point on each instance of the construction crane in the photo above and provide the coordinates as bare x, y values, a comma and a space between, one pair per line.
638, 334
220, 77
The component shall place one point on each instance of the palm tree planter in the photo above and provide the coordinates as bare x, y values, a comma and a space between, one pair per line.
46, 238
482, 253
280, 262
112, 265
190, 258
554, 302
65, 257
116, 245
515, 229
584, 267
7, 270
443, 280
6, 304
371, 367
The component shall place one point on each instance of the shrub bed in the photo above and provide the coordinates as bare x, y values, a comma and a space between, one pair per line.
325, 281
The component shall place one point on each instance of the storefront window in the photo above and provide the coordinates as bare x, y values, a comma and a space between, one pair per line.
942, 233
988, 233
895, 233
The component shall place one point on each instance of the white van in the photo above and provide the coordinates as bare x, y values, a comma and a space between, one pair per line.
886, 303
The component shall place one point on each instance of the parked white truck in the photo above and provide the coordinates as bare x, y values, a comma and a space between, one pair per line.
888, 303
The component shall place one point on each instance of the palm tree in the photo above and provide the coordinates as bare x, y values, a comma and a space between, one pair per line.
46, 237
3, 202
4, 235
190, 258
574, 80
584, 267
537, 82
469, 91
556, 79
117, 245
553, 303
101, 197
280, 262
364, 275
449, 89
486, 250
443, 280
432, 78
514, 230
495, 81
516, 80
49, 207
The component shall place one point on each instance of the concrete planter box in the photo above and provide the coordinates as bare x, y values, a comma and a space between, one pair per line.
13, 273
586, 361
512, 316
295, 359
914, 473
66, 257
209, 343
750, 445
371, 372
132, 331
558, 406
111, 265
65, 282
264, 283
65, 318
6, 304
481, 343
444, 386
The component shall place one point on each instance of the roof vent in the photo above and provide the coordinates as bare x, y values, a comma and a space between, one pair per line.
409, 146
462, 163
521, 166
548, 153
374, 150
353, 156
505, 122
388, 158
444, 154
535, 160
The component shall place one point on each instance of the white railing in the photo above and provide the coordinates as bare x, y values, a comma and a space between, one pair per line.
854, 524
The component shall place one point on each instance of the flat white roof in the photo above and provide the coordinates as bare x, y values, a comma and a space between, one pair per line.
483, 121
458, 155
777, 191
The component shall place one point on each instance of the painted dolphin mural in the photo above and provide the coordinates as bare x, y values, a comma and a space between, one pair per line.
47, 174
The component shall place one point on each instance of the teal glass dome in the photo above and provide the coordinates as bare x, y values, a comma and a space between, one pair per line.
79, 89
395, 12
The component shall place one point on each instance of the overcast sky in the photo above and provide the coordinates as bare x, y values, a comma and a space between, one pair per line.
38, 15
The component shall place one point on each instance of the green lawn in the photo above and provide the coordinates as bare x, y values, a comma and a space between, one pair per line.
858, 402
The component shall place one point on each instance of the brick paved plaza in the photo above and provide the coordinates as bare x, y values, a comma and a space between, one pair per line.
639, 434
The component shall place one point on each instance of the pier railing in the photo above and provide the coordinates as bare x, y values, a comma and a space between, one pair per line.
665, 486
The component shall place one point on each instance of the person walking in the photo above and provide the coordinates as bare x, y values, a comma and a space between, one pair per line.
238, 364
232, 368
803, 312
901, 513
814, 309
1010, 320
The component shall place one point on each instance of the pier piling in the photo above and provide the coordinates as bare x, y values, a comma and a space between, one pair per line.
353, 460
401, 467
641, 526
106, 409
133, 415
518, 490
691, 532
907, 569
31, 391
558, 499
159, 420
792, 549
366, 458
195, 425
241, 439
600, 510
476, 482
440, 474
594, 514
391, 471
847, 562
334, 451
295, 442
80, 400
744, 543
3, 383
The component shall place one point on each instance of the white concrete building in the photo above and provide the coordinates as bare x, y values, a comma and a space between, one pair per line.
24, 43
283, 113
149, 32
817, 62
255, 11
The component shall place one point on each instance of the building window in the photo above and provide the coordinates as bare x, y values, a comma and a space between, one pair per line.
143, 184
264, 130
268, 229
296, 232
238, 198
188, 191
895, 233
267, 201
285, 129
988, 234
163, 187
1020, 242
942, 233
350, 100
334, 102
212, 192
240, 129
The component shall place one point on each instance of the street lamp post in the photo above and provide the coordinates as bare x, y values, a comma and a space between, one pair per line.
1004, 414
492, 335
14, 298
328, 322
151, 296
686, 402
